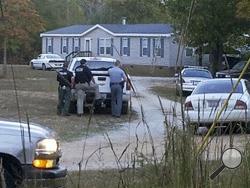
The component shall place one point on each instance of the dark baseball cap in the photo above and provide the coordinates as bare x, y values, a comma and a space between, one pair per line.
83, 61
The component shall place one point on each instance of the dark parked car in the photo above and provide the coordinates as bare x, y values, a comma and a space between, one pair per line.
234, 72
29, 155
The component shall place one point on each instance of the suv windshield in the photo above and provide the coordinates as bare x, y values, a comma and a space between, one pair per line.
96, 65
196, 73
216, 86
239, 66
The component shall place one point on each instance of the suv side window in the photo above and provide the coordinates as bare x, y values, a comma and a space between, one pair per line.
248, 86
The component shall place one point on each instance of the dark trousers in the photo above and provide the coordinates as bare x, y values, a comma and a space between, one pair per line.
116, 99
64, 97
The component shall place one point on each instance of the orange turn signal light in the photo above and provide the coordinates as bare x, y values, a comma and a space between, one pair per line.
43, 163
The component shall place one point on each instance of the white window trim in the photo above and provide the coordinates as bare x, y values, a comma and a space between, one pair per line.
105, 45
64, 44
49, 44
124, 45
144, 46
76, 41
157, 47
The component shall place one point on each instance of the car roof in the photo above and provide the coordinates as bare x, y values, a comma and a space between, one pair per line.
195, 68
96, 59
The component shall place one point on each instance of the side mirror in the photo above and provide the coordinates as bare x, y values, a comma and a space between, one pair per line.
176, 75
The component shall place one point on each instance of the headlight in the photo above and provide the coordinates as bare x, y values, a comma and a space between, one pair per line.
47, 146
47, 153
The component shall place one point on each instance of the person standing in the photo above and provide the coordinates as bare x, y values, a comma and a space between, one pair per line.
82, 81
117, 79
64, 91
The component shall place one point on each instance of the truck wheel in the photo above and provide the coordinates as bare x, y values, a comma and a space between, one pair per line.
125, 107
44, 67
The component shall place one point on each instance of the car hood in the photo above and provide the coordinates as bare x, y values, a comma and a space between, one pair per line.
34, 130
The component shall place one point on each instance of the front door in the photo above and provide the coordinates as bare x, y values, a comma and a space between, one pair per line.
87, 45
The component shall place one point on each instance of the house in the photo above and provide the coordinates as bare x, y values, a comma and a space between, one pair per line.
140, 44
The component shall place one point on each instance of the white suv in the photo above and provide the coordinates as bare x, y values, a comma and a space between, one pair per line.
99, 67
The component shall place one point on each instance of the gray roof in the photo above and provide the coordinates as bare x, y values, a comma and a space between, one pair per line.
139, 28
116, 28
73, 29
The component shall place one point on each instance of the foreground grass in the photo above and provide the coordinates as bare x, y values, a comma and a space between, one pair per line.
177, 168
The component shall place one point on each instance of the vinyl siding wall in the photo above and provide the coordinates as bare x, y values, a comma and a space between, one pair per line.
168, 59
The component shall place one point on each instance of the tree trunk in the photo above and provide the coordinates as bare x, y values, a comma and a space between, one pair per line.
215, 57
200, 55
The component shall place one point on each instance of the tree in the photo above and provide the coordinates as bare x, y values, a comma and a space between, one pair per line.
112, 11
20, 21
59, 13
212, 23
243, 9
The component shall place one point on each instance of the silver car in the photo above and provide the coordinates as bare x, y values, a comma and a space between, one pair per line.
47, 61
29, 154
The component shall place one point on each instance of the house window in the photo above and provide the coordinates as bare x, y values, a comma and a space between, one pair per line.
144, 47
125, 47
76, 44
64, 45
49, 46
105, 46
157, 47
189, 52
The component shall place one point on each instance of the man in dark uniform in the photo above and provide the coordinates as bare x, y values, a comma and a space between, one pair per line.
82, 81
64, 91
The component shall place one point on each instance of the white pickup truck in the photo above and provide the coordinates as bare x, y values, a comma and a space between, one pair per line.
99, 67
